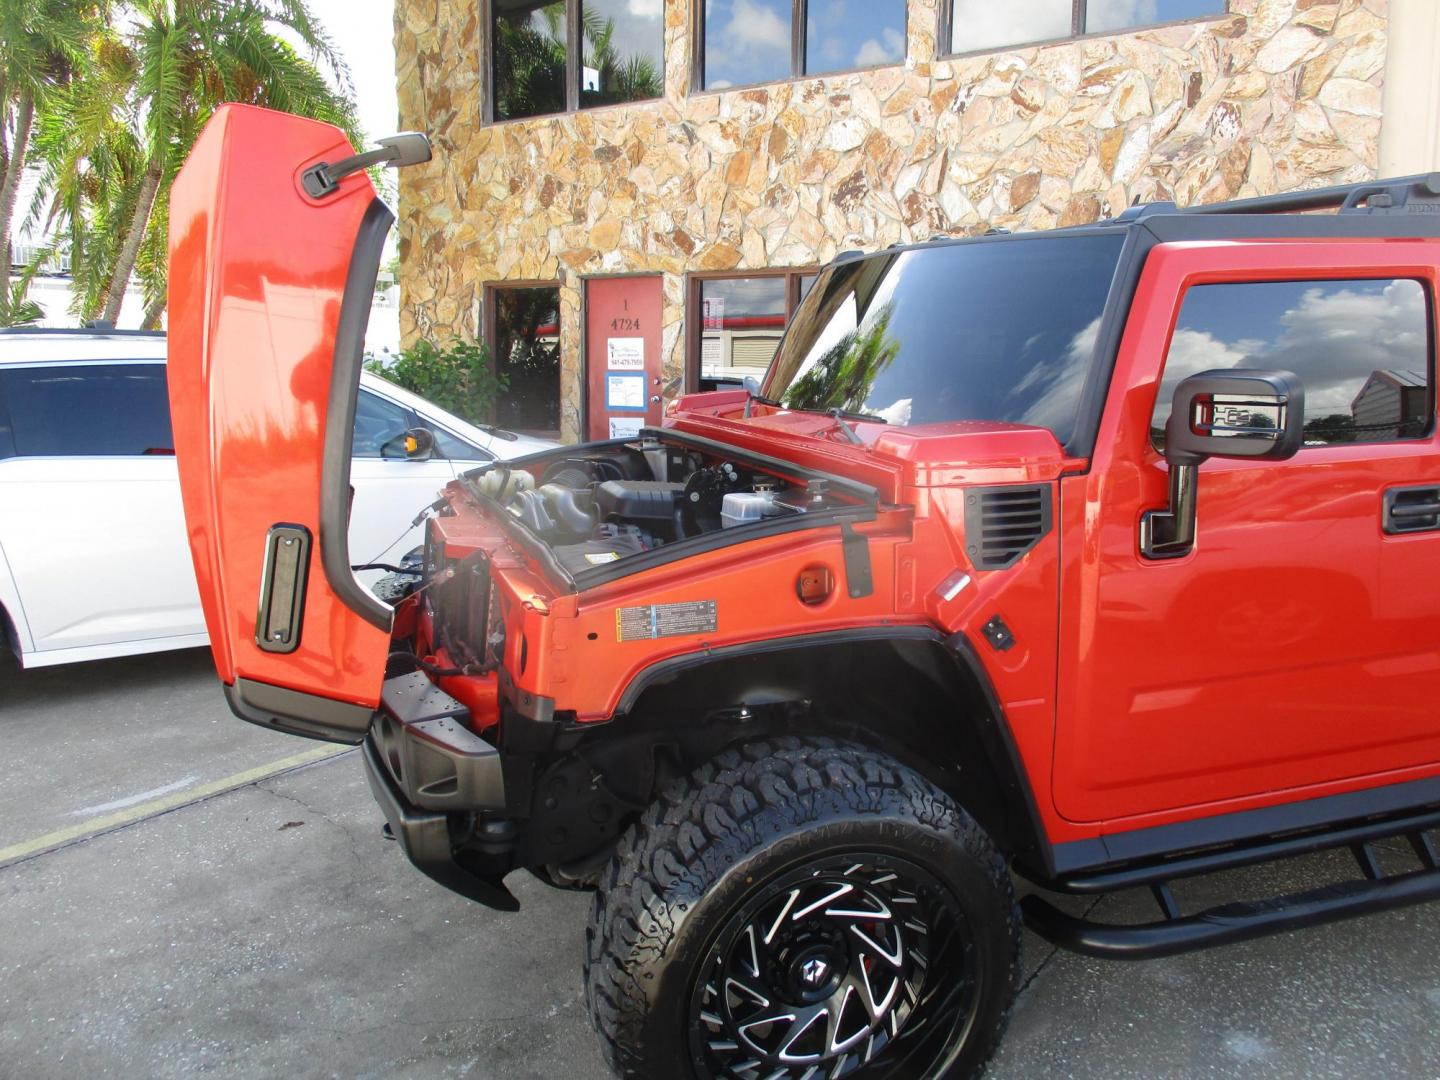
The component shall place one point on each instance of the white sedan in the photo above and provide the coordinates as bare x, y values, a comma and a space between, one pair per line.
93, 555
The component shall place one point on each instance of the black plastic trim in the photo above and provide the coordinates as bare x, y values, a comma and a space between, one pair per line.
1419, 513
1231, 922
426, 744
533, 707
1243, 826
1009, 767
663, 669
340, 419
425, 839
1113, 319
980, 526
1186, 225
855, 548
992, 728
298, 713
1424, 185
1208, 862
280, 614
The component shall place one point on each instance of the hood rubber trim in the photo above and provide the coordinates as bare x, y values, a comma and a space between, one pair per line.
340, 418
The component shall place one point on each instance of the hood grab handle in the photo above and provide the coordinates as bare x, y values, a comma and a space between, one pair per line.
395, 151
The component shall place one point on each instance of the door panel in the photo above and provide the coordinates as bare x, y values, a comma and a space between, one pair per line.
97, 549
622, 355
269, 292
1295, 646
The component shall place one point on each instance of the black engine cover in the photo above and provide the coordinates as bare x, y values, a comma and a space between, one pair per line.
637, 500
611, 543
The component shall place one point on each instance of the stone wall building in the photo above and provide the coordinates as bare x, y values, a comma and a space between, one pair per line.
585, 235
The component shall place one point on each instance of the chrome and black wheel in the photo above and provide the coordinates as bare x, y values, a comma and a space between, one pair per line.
823, 972
802, 910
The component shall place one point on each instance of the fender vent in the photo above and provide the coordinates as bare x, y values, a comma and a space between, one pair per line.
1003, 523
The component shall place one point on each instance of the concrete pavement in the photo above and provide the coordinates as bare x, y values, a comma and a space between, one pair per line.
269, 929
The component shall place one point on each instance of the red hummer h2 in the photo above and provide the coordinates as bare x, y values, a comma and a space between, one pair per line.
1106, 556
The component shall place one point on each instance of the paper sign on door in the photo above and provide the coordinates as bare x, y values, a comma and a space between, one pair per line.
625, 392
625, 427
625, 354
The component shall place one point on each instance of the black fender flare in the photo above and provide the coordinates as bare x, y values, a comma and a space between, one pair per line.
989, 725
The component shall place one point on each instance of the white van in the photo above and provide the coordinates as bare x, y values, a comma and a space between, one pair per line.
93, 554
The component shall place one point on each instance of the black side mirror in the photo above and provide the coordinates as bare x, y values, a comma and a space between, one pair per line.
1241, 413
417, 444
1235, 413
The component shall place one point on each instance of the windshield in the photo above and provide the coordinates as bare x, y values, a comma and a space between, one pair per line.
1003, 330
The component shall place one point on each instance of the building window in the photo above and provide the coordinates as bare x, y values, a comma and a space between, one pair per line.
1361, 349
983, 25
524, 338
736, 324
758, 41
536, 70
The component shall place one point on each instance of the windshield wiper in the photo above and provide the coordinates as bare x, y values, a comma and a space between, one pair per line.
848, 431
753, 395
853, 414
842, 415
838, 414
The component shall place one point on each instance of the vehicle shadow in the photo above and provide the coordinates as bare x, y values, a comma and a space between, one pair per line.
82, 683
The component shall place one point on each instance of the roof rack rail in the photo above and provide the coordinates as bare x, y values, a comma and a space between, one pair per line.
1404, 194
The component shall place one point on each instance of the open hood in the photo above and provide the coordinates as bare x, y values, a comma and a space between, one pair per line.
275, 241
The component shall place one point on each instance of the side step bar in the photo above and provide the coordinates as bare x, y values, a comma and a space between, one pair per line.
1410, 826
1230, 922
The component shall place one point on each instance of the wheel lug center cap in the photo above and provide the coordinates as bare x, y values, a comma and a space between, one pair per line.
814, 972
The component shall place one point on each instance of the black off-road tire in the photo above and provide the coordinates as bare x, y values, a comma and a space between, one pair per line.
702, 857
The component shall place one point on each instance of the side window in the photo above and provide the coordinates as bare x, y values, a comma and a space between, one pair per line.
1362, 349
377, 421
456, 449
88, 410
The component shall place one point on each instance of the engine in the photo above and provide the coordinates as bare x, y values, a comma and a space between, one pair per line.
614, 502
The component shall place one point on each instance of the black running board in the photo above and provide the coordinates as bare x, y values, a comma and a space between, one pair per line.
1231, 922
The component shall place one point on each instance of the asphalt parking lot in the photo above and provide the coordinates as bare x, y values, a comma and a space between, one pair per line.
183, 894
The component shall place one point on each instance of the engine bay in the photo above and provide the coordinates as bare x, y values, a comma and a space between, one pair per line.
598, 505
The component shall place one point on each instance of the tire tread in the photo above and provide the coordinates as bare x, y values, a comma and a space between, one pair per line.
738, 802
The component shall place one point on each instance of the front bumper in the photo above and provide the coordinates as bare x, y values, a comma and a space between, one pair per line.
424, 740
429, 773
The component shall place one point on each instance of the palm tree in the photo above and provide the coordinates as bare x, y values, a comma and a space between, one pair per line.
42, 43
192, 55
92, 161
115, 140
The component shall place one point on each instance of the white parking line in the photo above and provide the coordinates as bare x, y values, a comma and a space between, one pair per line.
120, 804
115, 819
